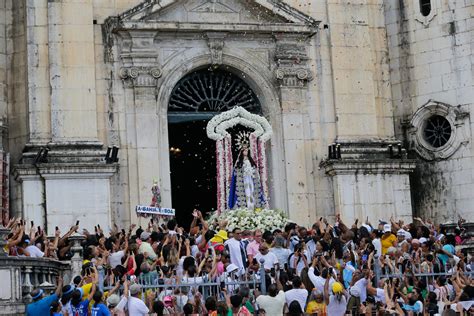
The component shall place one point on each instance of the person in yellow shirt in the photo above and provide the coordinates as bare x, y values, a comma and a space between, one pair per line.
388, 239
316, 304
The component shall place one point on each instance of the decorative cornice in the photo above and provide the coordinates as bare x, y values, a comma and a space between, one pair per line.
337, 167
140, 76
65, 171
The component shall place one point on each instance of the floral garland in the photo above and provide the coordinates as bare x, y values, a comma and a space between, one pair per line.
265, 219
217, 130
264, 132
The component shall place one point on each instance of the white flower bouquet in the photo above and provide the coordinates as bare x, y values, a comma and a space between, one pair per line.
264, 219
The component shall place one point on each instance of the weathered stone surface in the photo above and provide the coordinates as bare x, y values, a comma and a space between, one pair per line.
101, 72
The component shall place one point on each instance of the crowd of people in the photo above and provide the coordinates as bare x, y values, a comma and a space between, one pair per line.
384, 268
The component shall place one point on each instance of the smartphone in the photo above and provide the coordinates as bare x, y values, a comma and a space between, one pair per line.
32, 224
77, 223
39, 229
57, 228
151, 221
209, 251
98, 226
254, 261
222, 285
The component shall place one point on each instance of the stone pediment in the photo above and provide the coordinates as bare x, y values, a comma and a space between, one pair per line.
263, 12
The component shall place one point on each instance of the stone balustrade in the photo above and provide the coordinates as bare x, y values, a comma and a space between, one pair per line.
20, 275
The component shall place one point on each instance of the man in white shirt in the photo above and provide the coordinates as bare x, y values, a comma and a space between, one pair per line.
236, 250
270, 259
375, 235
319, 280
34, 251
297, 293
135, 305
273, 303
116, 256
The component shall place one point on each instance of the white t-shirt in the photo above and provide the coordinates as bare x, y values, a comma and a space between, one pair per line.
299, 295
34, 251
270, 260
335, 307
115, 258
272, 305
282, 255
137, 307
318, 281
360, 287
380, 296
378, 246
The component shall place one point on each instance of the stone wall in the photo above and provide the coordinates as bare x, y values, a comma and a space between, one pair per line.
76, 94
373, 65
431, 59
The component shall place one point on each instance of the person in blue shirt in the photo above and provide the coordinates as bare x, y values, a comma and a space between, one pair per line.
79, 307
99, 308
41, 305
448, 249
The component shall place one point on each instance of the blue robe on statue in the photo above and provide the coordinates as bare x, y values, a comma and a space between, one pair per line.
243, 194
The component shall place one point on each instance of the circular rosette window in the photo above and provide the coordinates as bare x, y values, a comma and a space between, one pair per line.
437, 130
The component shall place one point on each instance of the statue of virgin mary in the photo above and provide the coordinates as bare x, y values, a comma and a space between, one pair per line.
245, 187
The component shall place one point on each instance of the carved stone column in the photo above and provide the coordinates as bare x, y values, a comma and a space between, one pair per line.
76, 260
293, 74
141, 74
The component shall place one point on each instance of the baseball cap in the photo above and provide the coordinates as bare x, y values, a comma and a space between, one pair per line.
145, 235
113, 300
135, 288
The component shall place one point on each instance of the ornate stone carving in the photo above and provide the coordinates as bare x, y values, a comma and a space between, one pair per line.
140, 76
291, 77
291, 59
215, 41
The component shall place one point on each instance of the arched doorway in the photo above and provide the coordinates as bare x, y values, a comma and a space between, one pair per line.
195, 99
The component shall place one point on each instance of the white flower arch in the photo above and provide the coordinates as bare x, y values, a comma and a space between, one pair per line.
217, 130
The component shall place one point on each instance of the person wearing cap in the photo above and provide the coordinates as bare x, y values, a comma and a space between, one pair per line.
41, 305
402, 237
136, 306
217, 242
337, 301
388, 239
112, 302
146, 247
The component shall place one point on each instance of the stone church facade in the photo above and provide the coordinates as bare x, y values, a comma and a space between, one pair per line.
369, 101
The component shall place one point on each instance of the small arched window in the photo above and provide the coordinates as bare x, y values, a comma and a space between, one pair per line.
425, 7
